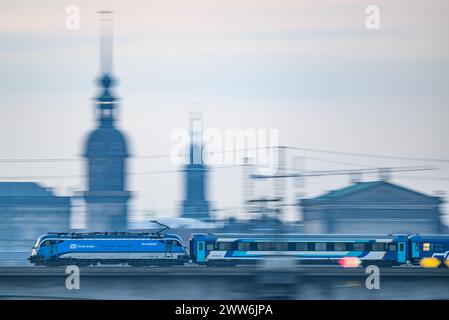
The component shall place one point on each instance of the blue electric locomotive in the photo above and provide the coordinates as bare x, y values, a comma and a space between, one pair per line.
108, 248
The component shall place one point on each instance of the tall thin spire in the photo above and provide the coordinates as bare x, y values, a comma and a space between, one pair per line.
106, 101
106, 38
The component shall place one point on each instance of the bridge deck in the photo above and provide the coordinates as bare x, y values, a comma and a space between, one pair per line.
200, 271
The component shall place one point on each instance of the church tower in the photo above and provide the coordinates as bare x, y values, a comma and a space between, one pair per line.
106, 150
195, 204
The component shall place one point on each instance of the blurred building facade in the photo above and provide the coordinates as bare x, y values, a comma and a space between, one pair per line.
195, 204
372, 207
28, 210
265, 224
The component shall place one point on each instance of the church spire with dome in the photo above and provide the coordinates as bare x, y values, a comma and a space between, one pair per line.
106, 150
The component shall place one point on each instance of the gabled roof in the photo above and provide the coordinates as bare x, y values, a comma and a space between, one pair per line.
356, 188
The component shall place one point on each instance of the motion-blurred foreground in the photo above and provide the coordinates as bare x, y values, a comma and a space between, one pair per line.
224, 283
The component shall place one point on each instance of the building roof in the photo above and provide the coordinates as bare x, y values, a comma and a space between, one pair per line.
356, 187
18, 195
24, 189
359, 187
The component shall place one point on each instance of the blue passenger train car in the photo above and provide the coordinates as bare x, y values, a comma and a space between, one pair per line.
426, 246
218, 249
108, 248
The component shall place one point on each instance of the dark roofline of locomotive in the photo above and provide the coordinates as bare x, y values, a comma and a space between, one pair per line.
117, 235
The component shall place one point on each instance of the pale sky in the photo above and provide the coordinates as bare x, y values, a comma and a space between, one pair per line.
309, 69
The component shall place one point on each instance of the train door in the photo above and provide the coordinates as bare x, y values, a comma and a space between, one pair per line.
168, 249
415, 250
402, 251
52, 248
201, 251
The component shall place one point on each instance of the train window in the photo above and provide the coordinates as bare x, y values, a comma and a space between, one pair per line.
392, 247
426, 246
176, 243
401, 247
282, 246
416, 244
438, 247
52, 243
171, 242
243, 246
45, 244
378, 246
224, 246
263, 246
359, 246
210, 246
339, 246
301, 246
320, 246
200, 246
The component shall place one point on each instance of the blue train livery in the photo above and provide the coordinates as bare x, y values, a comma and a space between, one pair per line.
232, 249
108, 248
426, 246
218, 249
